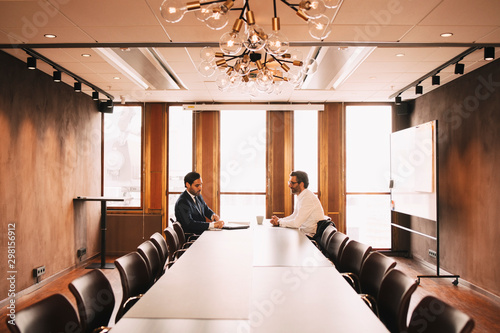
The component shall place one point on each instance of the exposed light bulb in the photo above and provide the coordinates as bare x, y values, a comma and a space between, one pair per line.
207, 53
331, 3
277, 43
256, 38
310, 66
172, 10
231, 43
319, 27
312, 8
206, 68
217, 18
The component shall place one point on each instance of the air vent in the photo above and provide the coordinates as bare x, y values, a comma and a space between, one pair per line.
144, 66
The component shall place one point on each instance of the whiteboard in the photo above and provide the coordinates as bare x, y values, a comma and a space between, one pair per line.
414, 171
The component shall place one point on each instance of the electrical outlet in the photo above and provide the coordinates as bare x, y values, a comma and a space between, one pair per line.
81, 252
432, 254
39, 271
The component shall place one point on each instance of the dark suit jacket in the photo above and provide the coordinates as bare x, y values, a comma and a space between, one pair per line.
189, 215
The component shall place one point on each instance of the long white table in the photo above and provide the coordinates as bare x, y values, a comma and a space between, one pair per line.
262, 279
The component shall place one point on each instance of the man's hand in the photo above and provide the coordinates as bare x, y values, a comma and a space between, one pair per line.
218, 224
215, 217
274, 221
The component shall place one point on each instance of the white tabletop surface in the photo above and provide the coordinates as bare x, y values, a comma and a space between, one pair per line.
258, 280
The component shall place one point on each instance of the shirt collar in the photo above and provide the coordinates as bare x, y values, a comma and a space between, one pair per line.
192, 196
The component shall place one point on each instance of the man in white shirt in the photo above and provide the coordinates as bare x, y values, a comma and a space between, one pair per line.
308, 210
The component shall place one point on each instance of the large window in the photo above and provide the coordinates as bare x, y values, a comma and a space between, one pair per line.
306, 145
368, 217
180, 152
122, 155
243, 165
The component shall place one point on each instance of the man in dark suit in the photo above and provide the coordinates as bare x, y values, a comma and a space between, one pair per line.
192, 211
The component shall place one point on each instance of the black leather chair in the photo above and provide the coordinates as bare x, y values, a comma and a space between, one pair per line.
52, 314
336, 246
149, 253
432, 315
174, 250
326, 236
394, 299
95, 300
184, 243
350, 262
135, 280
375, 266
161, 244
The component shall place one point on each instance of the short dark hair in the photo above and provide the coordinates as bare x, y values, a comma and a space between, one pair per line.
191, 177
301, 177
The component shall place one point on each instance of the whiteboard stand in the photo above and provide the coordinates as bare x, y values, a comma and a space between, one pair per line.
420, 185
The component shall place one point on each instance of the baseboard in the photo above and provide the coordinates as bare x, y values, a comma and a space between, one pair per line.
493, 297
46, 281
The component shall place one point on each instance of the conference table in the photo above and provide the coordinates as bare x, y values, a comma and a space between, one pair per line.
261, 279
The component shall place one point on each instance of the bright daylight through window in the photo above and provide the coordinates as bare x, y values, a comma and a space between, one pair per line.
243, 165
122, 155
368, 213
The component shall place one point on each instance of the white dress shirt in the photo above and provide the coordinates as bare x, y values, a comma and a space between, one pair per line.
308, 211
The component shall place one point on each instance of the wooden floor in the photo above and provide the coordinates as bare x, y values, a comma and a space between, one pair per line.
484, 310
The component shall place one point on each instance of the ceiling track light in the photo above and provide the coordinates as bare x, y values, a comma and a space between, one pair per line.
398, 100
436, 80
56, 76
489, 53
31, 63
95, 95
459, 68
419, 90
33, 56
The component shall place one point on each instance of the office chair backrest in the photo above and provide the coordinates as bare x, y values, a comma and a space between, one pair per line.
94, 299
149, 253
172, 242
394, 299
326, 236
375, 266
134, 276
335, 246
52, 314
180, 233
353, 255
161, 244
432, 315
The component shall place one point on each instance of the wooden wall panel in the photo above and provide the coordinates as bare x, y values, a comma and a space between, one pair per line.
207, 157
154, 156
127, 231
331, 163
279, 199
50, 152
468, 115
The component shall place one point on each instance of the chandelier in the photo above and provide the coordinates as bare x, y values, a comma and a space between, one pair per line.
250, 59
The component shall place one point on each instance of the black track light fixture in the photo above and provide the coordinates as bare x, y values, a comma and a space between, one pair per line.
436, 80
56, 76
459, 68
95, 95
31, 63
489, 53
78, 87
398, 100
419, 90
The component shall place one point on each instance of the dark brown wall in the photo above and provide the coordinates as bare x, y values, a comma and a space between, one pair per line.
50, 152
468, 114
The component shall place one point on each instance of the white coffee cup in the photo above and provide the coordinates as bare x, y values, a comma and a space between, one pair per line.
260, 219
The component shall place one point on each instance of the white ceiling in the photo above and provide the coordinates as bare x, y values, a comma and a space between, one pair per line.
406, 27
